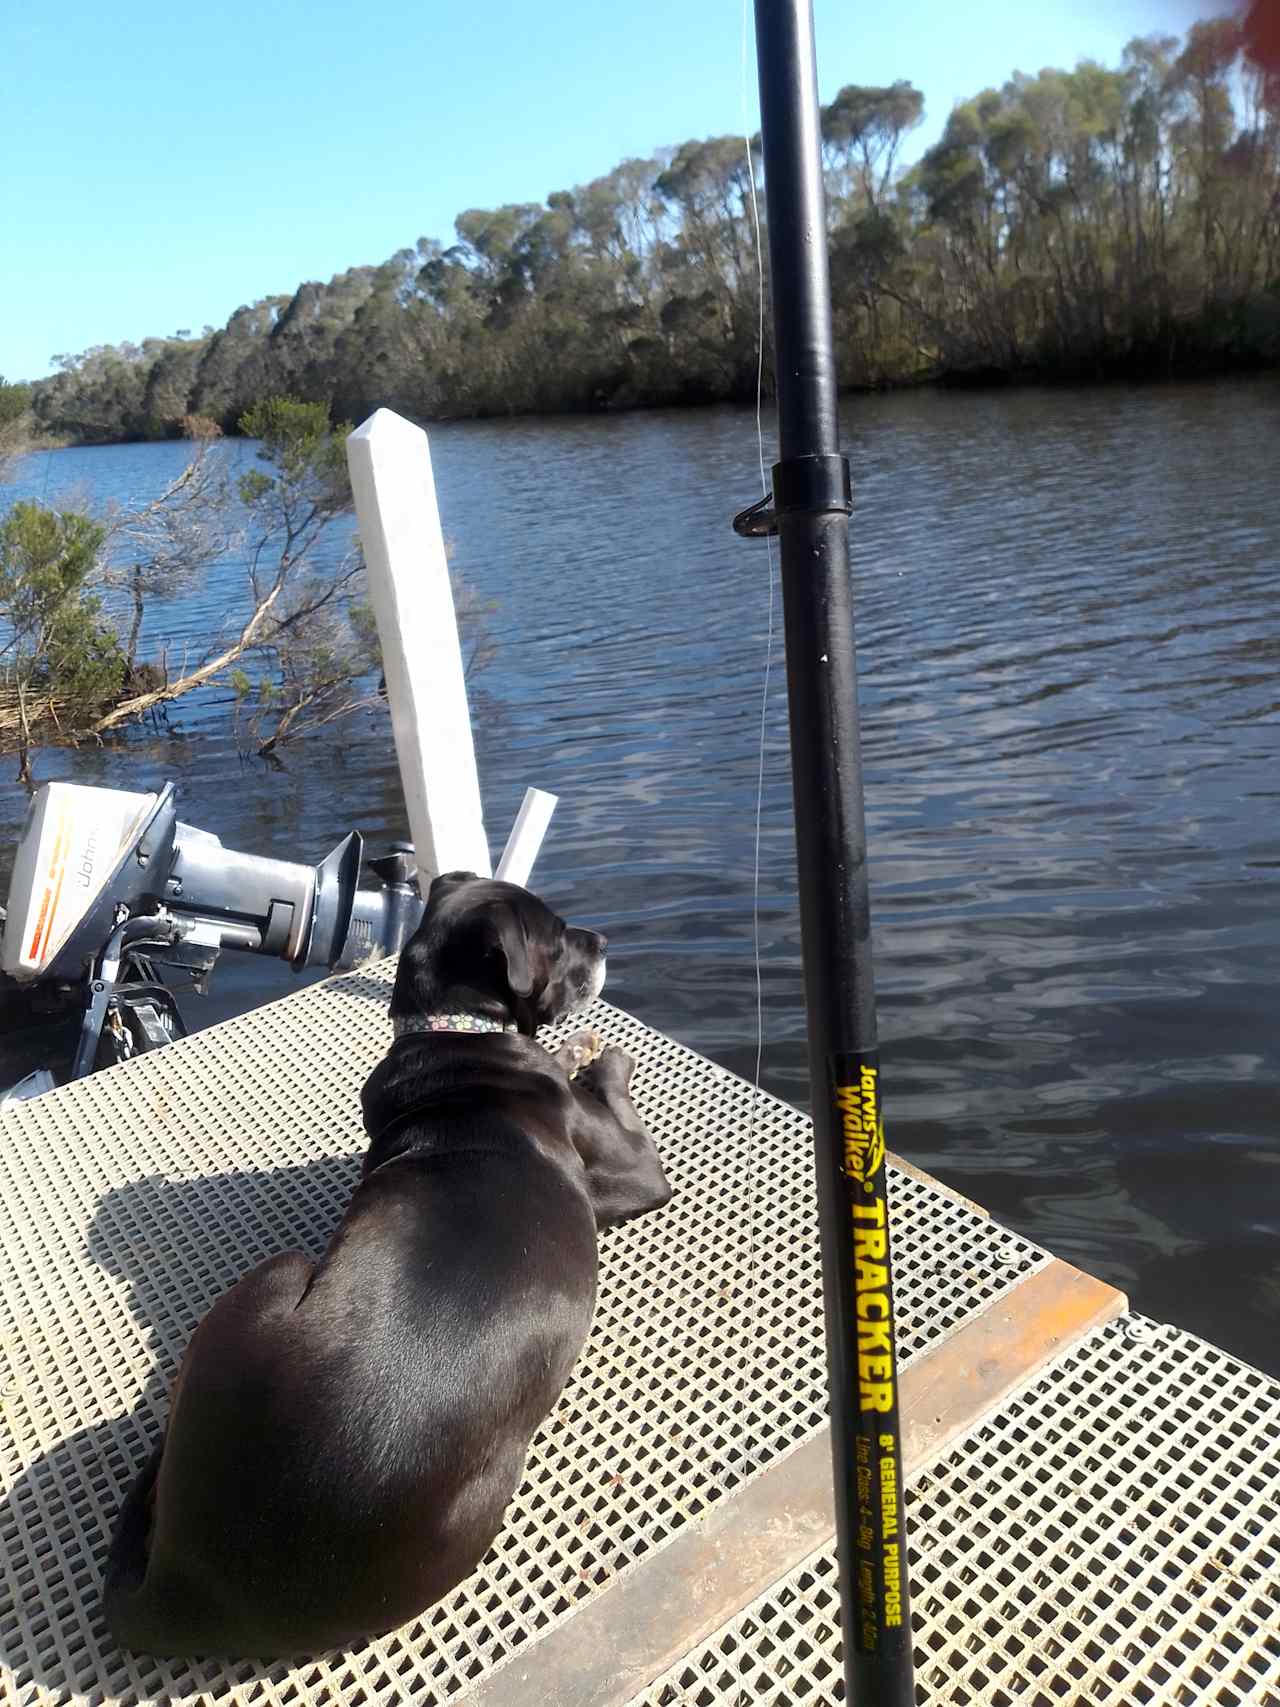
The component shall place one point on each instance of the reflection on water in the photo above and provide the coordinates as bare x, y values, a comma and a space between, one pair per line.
1069, 647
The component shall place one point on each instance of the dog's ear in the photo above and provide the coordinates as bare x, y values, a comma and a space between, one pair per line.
513, 941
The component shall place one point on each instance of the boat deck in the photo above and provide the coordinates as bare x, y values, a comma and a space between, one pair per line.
1095, 1498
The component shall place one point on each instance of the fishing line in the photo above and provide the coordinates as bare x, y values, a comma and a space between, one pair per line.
752, 1127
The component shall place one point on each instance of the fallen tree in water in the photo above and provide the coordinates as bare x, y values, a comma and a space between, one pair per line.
300, 655
68, 672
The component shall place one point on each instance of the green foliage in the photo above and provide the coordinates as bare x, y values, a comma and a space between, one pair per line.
308, 458
862, 132
15, 423
365, 628
59, 646
15, 400
296, 437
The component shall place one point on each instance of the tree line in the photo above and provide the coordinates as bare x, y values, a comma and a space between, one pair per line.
1072, 224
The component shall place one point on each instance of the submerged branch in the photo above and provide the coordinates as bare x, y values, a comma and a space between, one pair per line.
144, 702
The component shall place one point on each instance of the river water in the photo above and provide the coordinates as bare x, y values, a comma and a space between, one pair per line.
1070, 653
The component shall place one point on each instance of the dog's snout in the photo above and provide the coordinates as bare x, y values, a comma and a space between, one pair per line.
601, 941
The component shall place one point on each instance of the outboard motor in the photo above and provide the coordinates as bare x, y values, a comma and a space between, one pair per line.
108, 886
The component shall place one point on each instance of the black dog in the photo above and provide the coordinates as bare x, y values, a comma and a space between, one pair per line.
344, 1437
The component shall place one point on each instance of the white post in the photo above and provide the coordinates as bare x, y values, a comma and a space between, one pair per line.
395, 495
526, 836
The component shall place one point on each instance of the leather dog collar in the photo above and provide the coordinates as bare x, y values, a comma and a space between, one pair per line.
406, 1025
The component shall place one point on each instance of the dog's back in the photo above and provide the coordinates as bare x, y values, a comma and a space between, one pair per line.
343, 1442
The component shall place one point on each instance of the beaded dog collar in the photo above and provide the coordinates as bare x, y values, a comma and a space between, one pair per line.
406, 1026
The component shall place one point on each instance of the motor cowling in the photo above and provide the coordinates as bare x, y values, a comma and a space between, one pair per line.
89, 857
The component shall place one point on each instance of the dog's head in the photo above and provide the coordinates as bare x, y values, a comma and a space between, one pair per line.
491, 948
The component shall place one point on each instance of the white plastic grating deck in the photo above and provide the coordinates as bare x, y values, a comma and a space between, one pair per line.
128, 1203
1111, 1535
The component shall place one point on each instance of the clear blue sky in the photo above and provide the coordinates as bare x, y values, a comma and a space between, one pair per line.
166, 163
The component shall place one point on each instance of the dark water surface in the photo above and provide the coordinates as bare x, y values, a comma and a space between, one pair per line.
1070, 654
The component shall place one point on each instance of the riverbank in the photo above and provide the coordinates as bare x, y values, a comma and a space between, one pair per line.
1143, 368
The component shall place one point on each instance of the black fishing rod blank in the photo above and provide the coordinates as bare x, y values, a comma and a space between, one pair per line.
810, 513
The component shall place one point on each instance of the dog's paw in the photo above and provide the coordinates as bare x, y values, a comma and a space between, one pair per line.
612, 1068
580, 1051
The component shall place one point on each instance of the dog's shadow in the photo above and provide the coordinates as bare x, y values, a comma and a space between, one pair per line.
177, 1245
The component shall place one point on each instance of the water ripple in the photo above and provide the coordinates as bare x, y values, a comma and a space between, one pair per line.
1068, 645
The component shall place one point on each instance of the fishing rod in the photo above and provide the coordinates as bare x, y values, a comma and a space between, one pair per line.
809, 510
